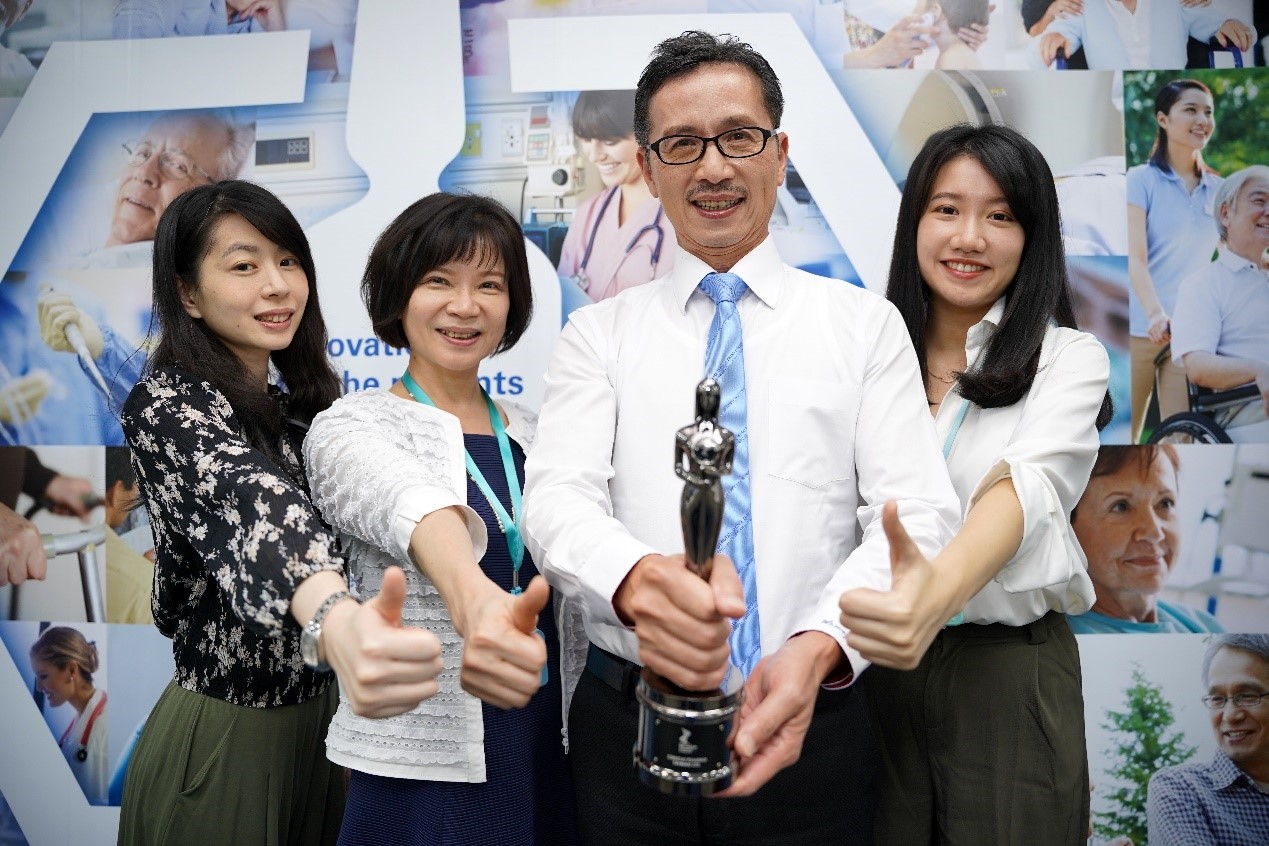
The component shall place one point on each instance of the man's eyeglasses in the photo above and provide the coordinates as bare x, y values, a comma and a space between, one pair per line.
739, 143
175, 166
1216, 702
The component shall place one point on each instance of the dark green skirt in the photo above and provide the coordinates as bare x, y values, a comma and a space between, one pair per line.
206, 771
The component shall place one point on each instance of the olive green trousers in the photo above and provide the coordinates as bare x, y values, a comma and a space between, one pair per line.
208, 772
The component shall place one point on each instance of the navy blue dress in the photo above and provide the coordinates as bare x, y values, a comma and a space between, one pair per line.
528, 797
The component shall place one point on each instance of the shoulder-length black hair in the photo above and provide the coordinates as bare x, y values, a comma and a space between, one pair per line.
1164, 99
183, 240
434, 231
1040, 292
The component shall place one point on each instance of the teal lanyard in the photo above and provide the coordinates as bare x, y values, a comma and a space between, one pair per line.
956, 427
947, 451
510, 526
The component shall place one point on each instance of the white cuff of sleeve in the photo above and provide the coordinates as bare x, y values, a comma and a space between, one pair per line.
604, 571
416, 503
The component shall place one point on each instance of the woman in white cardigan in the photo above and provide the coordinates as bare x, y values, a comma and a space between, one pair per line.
426, 475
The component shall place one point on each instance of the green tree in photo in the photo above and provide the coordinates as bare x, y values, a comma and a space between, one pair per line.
1144, 742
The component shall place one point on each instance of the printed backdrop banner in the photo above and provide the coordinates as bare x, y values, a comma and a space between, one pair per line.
352, 109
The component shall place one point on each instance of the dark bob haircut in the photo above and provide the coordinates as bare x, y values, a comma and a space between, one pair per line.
604, 115
683, 54
184, 238
436, 230
1040, 292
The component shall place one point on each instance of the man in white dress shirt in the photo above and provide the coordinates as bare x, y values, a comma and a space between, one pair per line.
837, 425
1222, 310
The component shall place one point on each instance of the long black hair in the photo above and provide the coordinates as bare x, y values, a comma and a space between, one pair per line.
183, 240
1040, 291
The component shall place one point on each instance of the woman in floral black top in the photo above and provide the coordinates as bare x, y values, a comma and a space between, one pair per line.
232, 752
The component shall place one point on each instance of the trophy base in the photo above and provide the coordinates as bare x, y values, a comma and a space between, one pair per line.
682, 748
681, 783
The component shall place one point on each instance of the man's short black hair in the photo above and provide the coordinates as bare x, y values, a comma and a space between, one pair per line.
684, 53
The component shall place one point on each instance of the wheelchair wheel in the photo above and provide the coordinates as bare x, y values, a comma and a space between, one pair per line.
1189, 428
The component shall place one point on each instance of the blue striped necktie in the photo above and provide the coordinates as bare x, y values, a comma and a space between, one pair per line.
725, 362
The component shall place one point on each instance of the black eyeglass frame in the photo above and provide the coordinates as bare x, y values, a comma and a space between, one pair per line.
767, 135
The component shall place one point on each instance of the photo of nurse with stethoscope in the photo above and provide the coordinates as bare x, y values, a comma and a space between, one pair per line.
64, 661
619, 238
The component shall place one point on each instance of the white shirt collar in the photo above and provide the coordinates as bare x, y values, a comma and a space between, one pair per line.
976, 337
1236, 263
761, 268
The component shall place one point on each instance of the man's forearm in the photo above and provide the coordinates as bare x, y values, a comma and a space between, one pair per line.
1221, 372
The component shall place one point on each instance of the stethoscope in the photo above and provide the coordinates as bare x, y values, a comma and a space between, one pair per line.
81, 752
583, 279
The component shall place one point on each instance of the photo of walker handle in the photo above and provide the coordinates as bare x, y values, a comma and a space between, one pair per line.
73, 541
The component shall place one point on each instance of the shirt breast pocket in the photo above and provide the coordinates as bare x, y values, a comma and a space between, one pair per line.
811, 432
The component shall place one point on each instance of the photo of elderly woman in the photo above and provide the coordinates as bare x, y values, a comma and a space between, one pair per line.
1175, 540
1128, 525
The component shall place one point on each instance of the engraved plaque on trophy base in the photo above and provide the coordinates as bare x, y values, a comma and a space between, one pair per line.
682, 748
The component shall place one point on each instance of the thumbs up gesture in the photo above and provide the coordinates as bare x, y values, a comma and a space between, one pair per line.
894, 628
502, 655
390, 599
384, 668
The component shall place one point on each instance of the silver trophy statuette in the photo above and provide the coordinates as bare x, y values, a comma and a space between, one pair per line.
682, 746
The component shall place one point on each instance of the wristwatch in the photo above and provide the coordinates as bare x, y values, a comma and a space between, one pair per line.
311, 635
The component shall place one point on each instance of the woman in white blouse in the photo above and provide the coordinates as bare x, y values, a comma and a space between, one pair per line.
427, 475
982, 733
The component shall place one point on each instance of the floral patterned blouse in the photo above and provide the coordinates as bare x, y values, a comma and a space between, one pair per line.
234, 535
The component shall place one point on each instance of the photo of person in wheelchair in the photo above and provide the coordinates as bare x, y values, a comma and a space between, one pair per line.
1219, 331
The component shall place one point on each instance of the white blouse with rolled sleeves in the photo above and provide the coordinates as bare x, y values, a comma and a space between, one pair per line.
1046, 443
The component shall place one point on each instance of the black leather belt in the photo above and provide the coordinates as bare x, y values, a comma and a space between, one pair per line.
1034, 632
618, 673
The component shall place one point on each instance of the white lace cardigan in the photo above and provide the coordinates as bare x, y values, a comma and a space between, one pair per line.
377, 464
